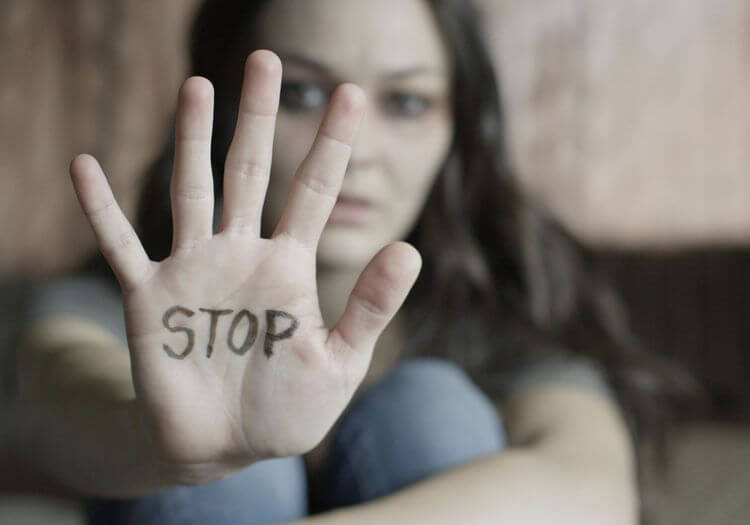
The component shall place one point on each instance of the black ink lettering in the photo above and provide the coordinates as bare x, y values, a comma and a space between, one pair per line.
214, 321
252, 332
271, 335
190, 334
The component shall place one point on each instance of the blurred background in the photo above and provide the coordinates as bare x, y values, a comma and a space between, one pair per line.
630, 120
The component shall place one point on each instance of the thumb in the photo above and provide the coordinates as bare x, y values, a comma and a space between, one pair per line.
380, 291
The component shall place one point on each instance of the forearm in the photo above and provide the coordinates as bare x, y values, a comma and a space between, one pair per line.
571, 462
521, 485
74, 418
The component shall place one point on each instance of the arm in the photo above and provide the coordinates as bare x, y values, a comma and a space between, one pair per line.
570, 462
190, 402
74, 413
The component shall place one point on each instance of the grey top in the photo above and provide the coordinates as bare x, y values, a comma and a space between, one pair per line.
97, 300
81, 296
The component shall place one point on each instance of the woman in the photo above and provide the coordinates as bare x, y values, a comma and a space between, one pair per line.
256, 367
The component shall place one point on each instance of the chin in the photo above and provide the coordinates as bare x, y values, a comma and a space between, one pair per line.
347, 249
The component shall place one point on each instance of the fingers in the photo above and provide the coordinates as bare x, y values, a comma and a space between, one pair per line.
192, 184
318, 180
248, 161
378, 294
115, 236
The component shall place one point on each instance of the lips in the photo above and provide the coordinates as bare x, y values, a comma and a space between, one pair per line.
350, 211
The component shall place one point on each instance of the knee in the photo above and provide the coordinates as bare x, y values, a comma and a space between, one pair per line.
436, 402
270, 491
424, 417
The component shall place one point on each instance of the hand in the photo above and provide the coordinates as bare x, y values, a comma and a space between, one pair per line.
230, 357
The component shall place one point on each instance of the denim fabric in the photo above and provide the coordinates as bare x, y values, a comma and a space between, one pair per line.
424, 417
270, 491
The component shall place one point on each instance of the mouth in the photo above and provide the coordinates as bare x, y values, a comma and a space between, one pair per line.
350, 211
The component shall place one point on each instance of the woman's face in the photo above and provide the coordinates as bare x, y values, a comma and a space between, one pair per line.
394, 51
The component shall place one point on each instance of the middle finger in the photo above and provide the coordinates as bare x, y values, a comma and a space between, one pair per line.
248, 162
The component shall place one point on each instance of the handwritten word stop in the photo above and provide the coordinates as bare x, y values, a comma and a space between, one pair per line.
241, 334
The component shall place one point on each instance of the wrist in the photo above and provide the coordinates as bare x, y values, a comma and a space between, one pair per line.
169, 470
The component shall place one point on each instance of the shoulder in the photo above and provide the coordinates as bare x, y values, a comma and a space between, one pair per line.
80, 298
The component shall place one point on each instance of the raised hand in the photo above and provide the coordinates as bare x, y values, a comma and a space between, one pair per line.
230, 357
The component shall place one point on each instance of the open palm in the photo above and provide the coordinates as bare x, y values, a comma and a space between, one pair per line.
230, 357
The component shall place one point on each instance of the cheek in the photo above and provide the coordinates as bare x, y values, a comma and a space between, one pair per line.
416, 156
293, 138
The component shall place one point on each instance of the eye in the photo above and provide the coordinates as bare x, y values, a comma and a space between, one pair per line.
303, 96
406, 105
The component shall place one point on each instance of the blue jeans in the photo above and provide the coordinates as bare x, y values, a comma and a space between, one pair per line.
424, 417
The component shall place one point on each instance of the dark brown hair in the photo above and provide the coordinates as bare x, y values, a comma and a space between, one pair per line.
502, 283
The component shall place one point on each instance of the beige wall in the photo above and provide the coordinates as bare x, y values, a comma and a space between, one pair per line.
629, 118
78, 76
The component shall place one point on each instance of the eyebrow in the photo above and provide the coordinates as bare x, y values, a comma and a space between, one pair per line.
325, 70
